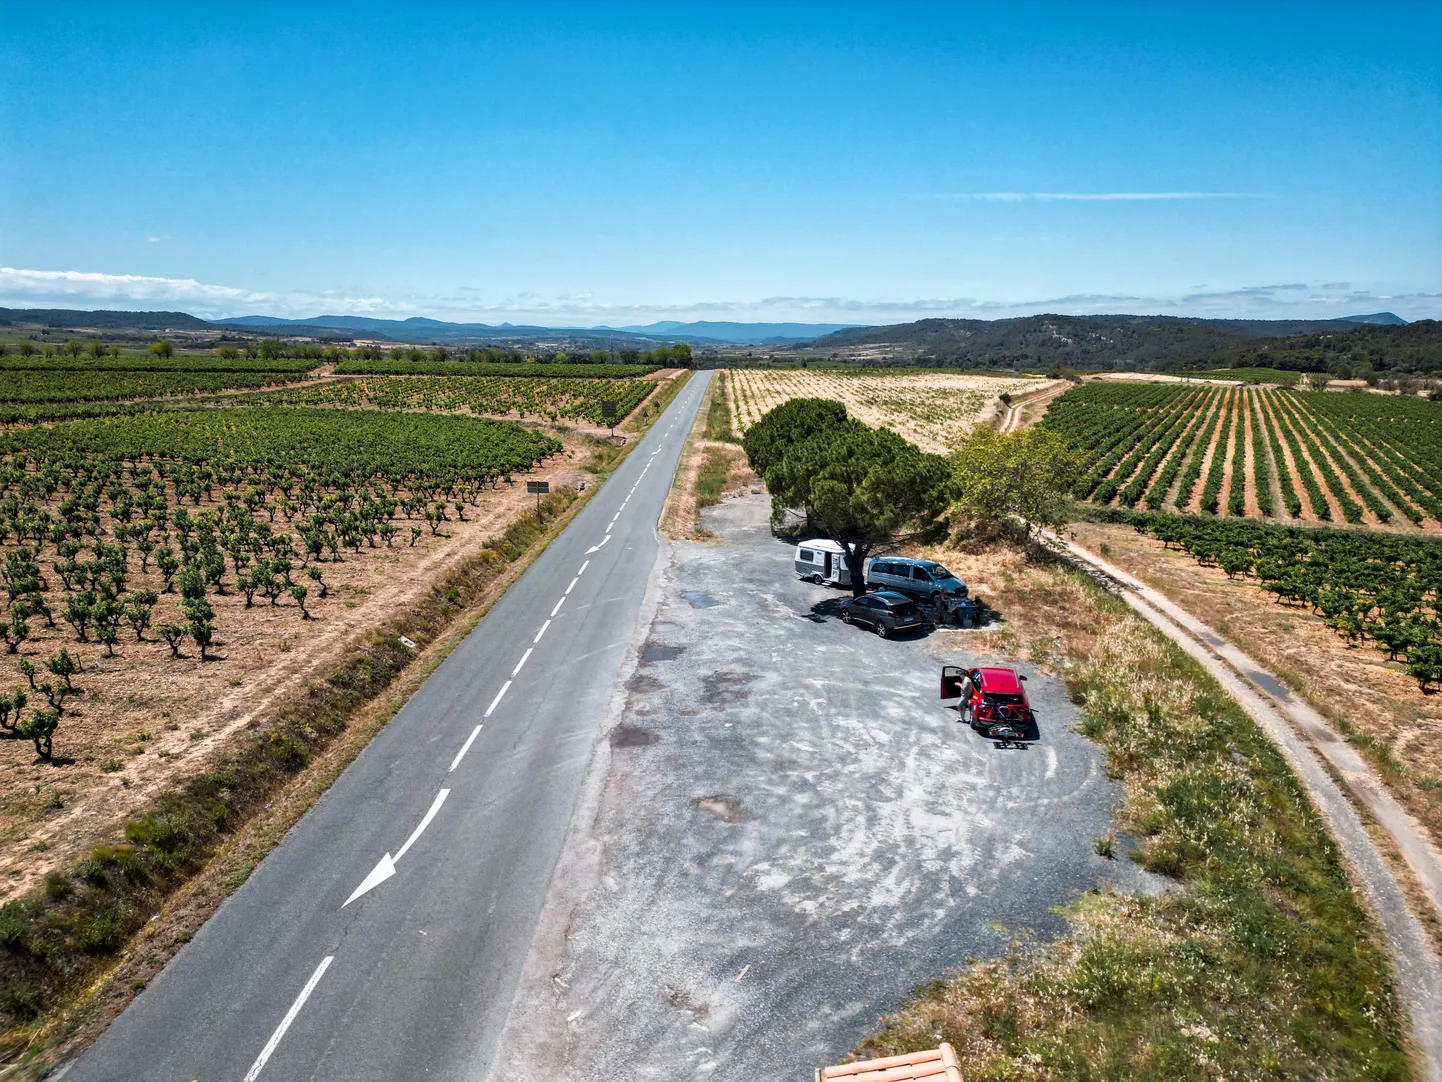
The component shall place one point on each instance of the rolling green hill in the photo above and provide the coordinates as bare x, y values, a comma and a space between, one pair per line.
1162, 343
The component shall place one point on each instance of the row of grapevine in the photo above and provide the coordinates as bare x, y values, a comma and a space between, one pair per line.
1291, 502
1368, 586
1157, 494
1211, 490
1261, 462
1237, 490
1291, 415
1149, 453
1111, 421
1192, 474
1374, 458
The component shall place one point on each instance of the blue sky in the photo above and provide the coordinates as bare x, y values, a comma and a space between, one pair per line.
614, 164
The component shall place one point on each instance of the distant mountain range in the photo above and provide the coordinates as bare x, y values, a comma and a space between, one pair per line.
699, 333
740, 334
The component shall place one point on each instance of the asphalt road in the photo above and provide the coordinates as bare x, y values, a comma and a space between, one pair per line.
792, 832
454, 816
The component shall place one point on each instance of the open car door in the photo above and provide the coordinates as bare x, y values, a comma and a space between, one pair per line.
952, 678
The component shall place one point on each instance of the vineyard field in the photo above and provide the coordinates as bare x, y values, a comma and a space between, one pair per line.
1255, 452
237, 446
36, 386
146, 560
132, 361
393, 366
1250, 375
934, 410
1368, 586
543, 399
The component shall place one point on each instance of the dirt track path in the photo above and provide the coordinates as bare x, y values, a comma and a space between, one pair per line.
1307, 740
1017, 412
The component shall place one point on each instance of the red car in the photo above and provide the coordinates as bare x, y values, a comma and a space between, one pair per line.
993, 701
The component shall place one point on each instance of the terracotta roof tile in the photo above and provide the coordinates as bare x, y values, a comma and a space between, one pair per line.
932, 1065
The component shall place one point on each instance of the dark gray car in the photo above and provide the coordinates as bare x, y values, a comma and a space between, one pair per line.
886, 612
921, 579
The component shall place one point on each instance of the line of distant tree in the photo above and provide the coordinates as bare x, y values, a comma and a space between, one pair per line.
677, 356
270, 349
1415, 348
73, 348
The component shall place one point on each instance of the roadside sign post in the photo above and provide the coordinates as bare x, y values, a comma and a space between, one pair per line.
540, 488
608, 414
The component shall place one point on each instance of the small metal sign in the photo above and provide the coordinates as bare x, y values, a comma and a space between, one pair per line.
539, 489
608, 412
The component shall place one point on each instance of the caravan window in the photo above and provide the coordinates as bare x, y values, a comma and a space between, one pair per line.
805, 556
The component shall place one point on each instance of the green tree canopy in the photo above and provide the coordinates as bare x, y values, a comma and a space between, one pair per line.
1016, 477
862, 487
790, 423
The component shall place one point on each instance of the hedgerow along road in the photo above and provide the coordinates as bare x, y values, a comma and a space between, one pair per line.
383, 938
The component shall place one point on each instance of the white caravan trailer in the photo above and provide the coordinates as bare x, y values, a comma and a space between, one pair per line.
822, 561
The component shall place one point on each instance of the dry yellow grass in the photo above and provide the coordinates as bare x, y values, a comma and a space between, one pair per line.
934, 410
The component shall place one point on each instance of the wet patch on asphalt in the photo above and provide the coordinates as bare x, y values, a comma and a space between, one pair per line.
643, 683
632, 736
655, 651
724, 688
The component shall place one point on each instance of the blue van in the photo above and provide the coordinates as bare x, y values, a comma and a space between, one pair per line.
921, 579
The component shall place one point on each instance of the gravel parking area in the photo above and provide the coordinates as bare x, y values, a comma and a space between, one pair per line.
793, 833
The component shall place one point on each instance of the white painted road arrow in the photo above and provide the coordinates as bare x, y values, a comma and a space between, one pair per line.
387, 865
379, 874
597, 548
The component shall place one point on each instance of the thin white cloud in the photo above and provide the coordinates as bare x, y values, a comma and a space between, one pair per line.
1113, 196
158, 239
71, 289
1080, 197
84, 289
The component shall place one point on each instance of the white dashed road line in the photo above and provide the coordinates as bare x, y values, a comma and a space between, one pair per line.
497, 700
270, 1045
466, 747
